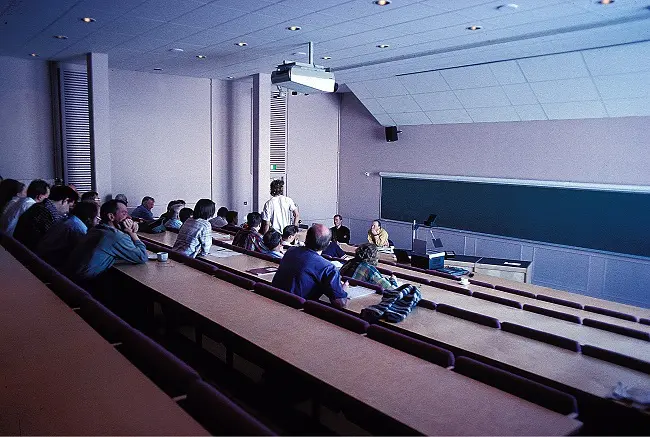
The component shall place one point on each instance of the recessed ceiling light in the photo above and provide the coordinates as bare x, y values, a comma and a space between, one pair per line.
474, 27
510, 6
60, 37
230, 77
201, 56
299, 53
383, 46
33, 55
88, 20
241, 44
293, 28
381, 2
176, 49
157, 69
606, 2
326, 58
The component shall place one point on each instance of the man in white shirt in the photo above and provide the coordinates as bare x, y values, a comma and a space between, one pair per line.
280, 210
37, 191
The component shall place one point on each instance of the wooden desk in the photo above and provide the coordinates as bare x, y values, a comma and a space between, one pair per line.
58, 376
425, 397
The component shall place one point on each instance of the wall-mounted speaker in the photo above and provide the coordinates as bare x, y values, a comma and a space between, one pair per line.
391, 133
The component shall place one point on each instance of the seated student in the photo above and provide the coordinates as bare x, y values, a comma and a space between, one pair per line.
64, 235
334, 250
304, 272
143, 211
340, 233
249, 236
195, 236
273, 242
363, 267
92, 197
40, 217
220, 220
184, 214
233, 218
10, 191
377, 235
37, 191
115, 238
122, 198
173, 220
289, 236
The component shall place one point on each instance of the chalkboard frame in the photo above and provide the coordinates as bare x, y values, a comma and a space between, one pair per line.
608, 245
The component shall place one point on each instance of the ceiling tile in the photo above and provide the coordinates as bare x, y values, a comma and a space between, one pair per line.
424, 82
143, 44
398, 15
386, 87
530, 112
171, 32
384, 119
482, 97
483, 115
507, 72
628, 107
520, 94
410, 119
623, 86
573, 110
449, 116
544, 14
438, 101
100, 42
164, 10
562, 66
359, 89
208, 16
372, 105
567, 90
397, 104
208, 37
475, 76
620, 59
131, 25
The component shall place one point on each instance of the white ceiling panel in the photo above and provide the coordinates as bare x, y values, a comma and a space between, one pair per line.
171, 32
482, 97
449, 116
623, 86
372, 105
208, 16
424, 82
520, 94
628, 107
438, 101
562, 66
163, 10
398, 15
410, 118
507, 72
397, 104
384, 119
573, 110
619, 59
566, 90
386, 87
476, 76
530, 112
488, 115
132, 25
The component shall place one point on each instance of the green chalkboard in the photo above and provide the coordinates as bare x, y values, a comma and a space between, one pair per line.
614, 221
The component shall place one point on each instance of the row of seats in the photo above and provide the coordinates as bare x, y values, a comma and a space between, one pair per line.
213, 410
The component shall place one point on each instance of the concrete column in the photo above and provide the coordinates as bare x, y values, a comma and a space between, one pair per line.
261, 139
100, 133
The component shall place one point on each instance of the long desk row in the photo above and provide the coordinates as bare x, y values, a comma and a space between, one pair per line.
424, 397
58, 376
574, 372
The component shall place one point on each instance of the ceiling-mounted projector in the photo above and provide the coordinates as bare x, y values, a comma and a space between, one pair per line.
304, 78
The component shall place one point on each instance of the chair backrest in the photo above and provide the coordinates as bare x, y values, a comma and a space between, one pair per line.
279, 295
419, 348
177, 256
450, 287
480, 283
240, 281
428, 304
201, 265
628, 332
564, 302
104, 321
545, 337
69, 292
497, 299
384, 271
155, 247
443, 275
412, 278
552, 313
469, 315
336, 317
611, 313
616, 358
644, 321
168, 372
218, 414
516, 291
531, 391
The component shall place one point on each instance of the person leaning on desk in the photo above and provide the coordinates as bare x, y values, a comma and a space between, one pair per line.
377, 235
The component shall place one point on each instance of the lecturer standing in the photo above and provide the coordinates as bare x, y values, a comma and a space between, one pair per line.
280, 210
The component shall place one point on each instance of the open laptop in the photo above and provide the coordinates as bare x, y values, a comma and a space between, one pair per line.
403, 256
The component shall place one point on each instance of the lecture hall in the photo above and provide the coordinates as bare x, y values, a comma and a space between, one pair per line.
324, 217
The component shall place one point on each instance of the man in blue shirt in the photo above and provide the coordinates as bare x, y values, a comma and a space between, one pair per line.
303, 271
143, 212
115, 238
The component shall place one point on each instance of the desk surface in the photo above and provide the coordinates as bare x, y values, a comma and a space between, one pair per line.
58, 376
425, 397
536, 289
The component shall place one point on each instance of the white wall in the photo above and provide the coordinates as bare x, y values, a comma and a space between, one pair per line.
312, 155
26, 142
160, 137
